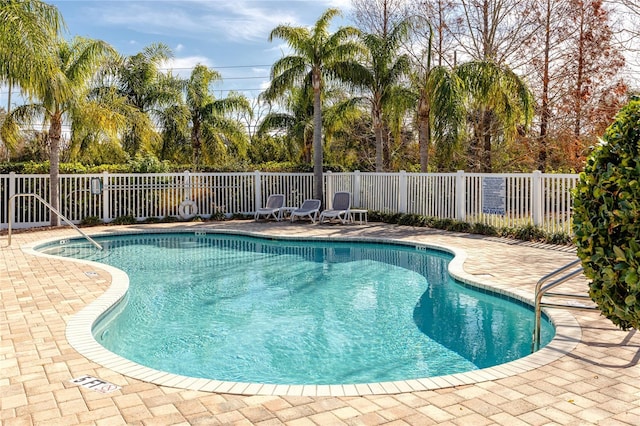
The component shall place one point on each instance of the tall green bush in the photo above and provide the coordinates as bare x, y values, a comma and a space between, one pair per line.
607, 220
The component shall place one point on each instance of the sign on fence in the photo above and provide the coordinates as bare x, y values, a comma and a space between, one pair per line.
493, 195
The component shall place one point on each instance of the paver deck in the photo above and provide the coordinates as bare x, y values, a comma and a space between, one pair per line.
595, 383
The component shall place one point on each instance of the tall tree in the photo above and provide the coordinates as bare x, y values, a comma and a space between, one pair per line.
492, 33
440, 112
551, 11
26, 31
433, 32
498, 104
294, 122
140, 79
381, 75
592, 60
495, 30
317, 56
378, 16
211, 124
439, 107
63, 98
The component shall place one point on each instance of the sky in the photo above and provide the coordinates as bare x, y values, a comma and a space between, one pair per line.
231, 36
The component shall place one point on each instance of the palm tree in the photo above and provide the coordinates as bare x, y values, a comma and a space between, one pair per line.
499, 102
295, 121
150, 91
63, 98
26, 30
211, 127
440, 111
381, 77
317, 56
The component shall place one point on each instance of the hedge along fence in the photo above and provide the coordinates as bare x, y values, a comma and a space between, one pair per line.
497, 200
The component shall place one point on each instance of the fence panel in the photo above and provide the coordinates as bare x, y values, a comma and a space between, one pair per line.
222, 192
380, 191
557, 202
516, 197
76, 199
432, 194
4, 198
29, 210
542, 199
343, 182
145, 195
296, 187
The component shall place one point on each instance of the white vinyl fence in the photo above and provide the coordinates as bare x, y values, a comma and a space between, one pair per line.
540, 199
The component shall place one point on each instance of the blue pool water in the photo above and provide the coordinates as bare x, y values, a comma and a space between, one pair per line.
247, 309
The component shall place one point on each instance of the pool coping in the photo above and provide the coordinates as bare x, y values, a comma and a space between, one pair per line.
79, 335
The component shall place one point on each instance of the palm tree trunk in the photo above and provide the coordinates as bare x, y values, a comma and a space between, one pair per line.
378, 131
55, 134
545, 113
196, 144
386, 147
486, 132
424, 133
317, 140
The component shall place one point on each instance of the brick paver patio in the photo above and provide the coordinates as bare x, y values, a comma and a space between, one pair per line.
596, 383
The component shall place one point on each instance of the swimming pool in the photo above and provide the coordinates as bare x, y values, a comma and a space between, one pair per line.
415, 303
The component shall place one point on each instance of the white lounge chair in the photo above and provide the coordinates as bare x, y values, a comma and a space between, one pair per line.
309, 208
275, 202
339, 208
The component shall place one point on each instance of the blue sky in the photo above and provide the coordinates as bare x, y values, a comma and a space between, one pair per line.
228, 35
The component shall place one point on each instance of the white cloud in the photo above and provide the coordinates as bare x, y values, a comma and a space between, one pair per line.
264, 85
183, 66
233, 20
343, 5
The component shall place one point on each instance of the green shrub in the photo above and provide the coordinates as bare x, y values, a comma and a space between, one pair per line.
458, 226
529, 233
152, 219
124, 220
409, 220
217, 215
607, 222
558, 238
484, 229
91, 221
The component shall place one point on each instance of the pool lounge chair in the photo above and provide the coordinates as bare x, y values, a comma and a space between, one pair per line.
309, 208
339, 208
275, 202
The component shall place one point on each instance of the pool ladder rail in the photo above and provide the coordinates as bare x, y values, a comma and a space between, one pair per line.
570, 271
52, 209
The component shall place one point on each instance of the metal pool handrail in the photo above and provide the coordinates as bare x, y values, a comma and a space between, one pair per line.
53, 210
544, 291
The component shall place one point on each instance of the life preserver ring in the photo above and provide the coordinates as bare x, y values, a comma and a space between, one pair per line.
188, 209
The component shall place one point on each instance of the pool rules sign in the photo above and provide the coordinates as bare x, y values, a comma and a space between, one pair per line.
494, 195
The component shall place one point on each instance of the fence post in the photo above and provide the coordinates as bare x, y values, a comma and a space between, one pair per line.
460, 194
402, 187
12, 191
328, 197
356, 188
536, 197
187, 186
12, 183
258, 190
106, 197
